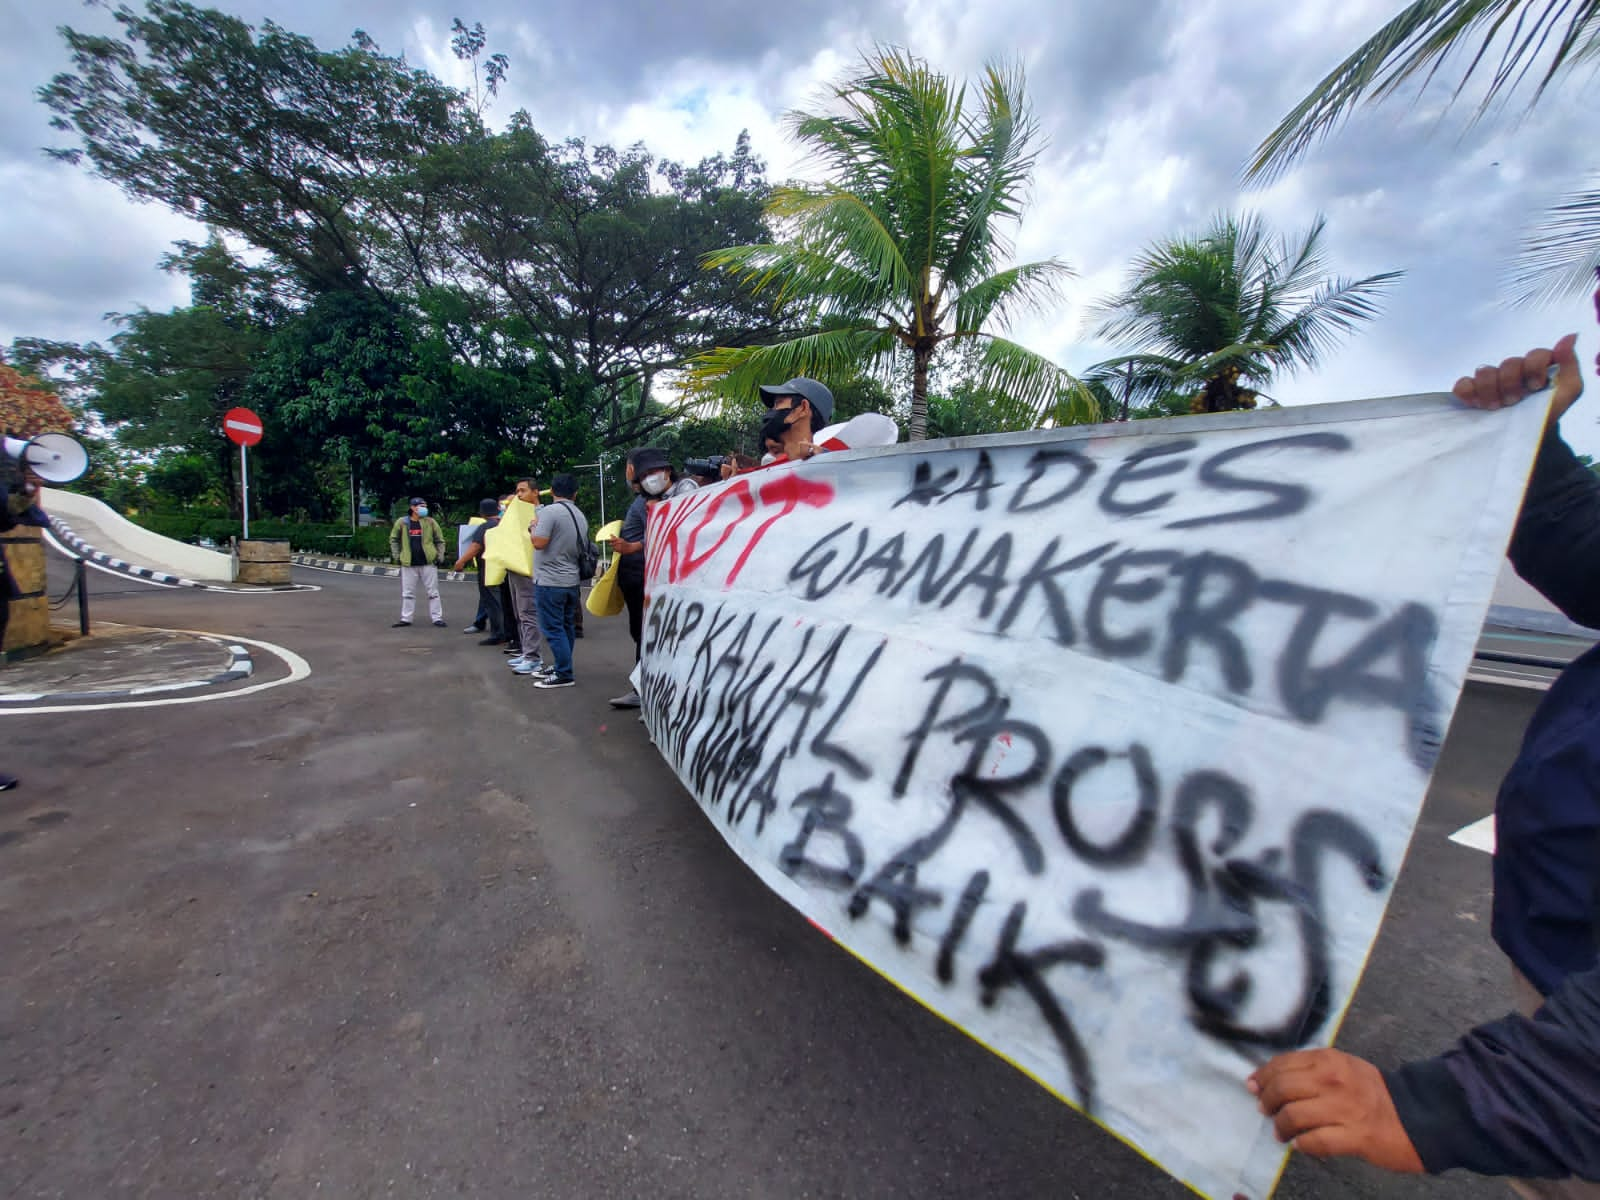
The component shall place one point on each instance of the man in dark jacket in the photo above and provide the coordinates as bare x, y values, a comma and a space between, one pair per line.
1519, 1096
489, 618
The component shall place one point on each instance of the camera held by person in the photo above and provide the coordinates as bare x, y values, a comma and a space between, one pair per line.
706, 470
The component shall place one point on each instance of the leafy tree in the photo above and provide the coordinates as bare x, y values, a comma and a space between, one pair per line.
31, 405
900, 248
115, 474
968, 410
495, 405
305, 154
1219, 315
439, 400
468, 45
1563, 255
603, 268
332, 379
163, 383
182, 479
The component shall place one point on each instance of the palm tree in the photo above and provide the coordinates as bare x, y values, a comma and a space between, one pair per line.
900, 249
1563, 254
1220, 314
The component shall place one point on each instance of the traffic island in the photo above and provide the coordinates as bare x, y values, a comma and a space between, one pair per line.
119, 661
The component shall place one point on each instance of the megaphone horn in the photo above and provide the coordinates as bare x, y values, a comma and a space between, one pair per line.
53, 457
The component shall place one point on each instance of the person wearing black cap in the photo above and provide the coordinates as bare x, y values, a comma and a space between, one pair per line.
417, 543
650, 475
795, 412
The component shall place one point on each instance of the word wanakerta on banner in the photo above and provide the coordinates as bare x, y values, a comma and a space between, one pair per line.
1105, 743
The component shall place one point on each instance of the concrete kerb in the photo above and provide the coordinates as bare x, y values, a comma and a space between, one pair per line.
298, 670
240, 666
355, 568
70, 544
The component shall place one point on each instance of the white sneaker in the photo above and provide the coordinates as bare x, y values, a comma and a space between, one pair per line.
520, 660
533, 667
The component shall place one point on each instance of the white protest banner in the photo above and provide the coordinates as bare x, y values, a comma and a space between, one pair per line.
1105, 743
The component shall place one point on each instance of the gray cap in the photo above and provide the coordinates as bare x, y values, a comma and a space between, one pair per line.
417, 501
820, 397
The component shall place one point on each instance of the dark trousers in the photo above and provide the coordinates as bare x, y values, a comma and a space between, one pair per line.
632, 589
508, 613
488, 616
558, 621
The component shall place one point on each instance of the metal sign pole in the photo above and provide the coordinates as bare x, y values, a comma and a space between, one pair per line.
244, 476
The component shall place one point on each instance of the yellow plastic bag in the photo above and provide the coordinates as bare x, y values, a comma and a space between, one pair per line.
605, 597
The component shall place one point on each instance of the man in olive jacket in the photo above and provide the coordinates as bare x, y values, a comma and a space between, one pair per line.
417, 543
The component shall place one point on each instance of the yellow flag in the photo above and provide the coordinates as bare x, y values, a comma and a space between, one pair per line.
507, 546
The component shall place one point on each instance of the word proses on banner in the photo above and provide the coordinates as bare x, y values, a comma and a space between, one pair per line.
778, 729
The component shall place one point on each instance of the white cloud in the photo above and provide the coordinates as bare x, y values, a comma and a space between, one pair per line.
1151, 107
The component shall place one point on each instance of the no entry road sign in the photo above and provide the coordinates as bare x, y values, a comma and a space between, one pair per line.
242, 426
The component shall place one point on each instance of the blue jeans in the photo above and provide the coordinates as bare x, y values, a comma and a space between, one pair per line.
558, 620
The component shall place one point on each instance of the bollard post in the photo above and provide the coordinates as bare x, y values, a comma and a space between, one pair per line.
81, 580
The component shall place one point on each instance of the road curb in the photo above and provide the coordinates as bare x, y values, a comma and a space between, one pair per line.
335, 564
240, 666
76, 545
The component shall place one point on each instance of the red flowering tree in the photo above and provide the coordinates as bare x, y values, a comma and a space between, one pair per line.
28, 408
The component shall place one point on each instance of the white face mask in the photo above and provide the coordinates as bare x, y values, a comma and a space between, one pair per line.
656, 484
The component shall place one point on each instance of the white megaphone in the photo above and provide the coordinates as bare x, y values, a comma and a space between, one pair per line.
53, 457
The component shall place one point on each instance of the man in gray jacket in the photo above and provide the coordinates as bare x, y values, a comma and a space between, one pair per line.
417, 543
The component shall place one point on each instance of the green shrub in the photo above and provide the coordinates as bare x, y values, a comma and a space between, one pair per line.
369, 542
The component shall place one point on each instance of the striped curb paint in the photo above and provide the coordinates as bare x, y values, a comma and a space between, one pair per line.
350, 568
76, 545
240, 666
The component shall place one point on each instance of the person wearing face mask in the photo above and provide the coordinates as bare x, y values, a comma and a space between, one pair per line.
651, 477
417, 543
795, 411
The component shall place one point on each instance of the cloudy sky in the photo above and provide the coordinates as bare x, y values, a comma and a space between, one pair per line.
1150, 108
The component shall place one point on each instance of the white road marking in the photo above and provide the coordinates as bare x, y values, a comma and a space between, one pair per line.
1477, 836
1531, 682
298, 669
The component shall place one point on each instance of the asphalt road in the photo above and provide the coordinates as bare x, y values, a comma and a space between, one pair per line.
408, 927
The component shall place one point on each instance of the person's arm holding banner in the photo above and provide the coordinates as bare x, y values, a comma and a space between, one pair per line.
1521, 1095
1556, 546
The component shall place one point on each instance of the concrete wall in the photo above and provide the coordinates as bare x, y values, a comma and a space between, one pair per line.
133, 542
